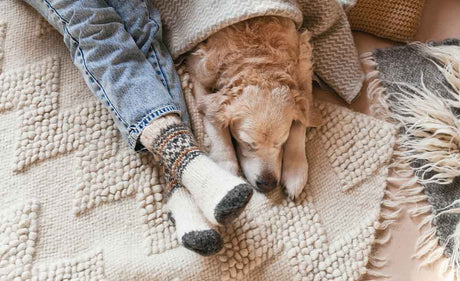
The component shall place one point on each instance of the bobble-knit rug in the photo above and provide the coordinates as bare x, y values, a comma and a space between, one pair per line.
77, 204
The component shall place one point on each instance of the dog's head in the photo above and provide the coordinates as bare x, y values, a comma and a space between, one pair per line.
259, 108
260, 120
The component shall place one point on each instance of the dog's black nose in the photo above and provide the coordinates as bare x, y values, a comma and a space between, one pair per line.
266, 183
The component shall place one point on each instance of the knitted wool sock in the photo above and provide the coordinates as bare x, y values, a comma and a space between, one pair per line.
220, 195
192, 229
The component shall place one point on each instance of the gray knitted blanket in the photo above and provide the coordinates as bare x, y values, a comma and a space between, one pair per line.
418, 87
188, 22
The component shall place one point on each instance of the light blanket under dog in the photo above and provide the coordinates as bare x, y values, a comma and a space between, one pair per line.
77, 204
186, 23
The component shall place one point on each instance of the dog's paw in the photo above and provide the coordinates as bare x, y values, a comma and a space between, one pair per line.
294, 178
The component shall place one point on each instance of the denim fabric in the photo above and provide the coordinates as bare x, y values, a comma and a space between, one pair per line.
117, 46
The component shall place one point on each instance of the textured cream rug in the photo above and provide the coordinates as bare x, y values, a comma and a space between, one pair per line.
77, 204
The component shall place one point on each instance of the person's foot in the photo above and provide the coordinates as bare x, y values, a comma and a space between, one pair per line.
192, 229
220, 195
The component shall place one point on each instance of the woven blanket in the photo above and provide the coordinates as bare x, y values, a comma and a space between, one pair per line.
189, 22
418, 88
77, 204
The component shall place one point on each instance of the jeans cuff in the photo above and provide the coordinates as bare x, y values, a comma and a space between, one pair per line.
136, 130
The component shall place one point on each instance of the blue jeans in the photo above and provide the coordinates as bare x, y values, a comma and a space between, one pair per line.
117, 46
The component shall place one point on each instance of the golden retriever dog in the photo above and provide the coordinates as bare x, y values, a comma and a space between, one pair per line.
253, 85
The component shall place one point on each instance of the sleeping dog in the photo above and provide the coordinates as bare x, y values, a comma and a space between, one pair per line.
253, 84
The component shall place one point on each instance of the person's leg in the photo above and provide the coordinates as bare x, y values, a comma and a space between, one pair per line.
117, 71
192, 228
143, 22
220, 195
112, 64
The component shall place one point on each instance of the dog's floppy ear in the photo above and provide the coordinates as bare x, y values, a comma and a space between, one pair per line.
304, 97
218, 106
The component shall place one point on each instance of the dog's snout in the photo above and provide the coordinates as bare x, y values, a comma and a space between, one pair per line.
266, 182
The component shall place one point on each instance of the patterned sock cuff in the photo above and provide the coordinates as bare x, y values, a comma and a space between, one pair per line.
170, 188
175, 147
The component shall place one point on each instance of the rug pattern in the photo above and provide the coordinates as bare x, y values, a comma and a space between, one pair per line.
77, 204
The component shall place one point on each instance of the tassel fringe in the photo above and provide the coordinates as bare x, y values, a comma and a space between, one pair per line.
437, 140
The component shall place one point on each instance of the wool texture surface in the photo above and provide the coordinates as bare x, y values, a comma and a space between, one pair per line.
395, 20
417, 88
77, 204
188, 22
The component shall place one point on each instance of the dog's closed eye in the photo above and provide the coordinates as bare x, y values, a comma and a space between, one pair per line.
251, 146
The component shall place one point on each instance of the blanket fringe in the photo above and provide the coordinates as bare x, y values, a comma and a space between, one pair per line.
431, 133
447, 59
379, 107
437, 132
377, 262
377, 274
427, 247
389, 213
435, 126
390, 206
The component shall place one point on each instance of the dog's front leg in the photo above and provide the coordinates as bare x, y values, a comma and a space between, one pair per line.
295, 165
221, 150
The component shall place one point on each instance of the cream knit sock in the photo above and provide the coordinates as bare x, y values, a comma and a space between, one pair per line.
192, 229
220, 195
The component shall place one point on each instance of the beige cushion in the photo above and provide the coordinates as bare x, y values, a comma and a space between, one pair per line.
397, 20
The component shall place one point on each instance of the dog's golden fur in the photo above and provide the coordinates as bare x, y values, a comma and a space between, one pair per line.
253, 82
